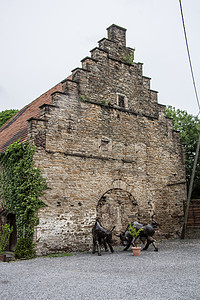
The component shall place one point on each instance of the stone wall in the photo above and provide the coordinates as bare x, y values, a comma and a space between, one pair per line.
106, 149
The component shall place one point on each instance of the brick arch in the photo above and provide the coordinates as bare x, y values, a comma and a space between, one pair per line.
116, 207
116, 184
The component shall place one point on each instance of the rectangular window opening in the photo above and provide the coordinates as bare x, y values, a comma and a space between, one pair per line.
121, 101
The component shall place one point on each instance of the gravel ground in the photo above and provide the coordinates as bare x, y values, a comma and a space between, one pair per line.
171, 273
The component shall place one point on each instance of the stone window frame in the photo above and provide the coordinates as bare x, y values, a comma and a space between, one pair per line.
105, 144
124, 98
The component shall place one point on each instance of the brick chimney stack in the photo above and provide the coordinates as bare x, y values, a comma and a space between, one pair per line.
117, 34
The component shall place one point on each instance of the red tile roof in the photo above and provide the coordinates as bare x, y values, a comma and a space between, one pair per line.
17, 127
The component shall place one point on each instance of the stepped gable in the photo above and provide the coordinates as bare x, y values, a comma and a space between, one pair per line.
17, 127
110, 64
111, 76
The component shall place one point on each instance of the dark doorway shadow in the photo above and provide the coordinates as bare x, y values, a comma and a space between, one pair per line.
13, 238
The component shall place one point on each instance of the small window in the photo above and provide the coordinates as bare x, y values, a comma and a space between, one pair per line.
105, 144
121, 101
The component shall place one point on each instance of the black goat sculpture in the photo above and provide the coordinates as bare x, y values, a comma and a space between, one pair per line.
101, 236
146, 234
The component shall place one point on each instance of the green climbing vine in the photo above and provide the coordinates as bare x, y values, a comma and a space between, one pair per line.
21, 185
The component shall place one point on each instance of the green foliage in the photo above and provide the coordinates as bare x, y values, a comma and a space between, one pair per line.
7, 115
24, 248
103, 102
188, 127
133, 231
5, 236
83, 98
21, 185
129, 58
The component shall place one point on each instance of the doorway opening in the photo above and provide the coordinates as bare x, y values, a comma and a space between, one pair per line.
117, 208
11, 219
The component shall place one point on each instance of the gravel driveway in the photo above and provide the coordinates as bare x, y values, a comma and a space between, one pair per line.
171, 273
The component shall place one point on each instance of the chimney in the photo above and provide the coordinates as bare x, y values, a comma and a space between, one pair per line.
117, 34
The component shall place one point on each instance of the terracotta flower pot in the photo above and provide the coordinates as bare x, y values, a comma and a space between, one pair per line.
136, 251
3, 257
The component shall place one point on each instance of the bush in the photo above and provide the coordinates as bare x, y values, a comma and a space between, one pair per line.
24, 249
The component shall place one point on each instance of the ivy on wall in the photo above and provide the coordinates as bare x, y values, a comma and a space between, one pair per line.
21, 185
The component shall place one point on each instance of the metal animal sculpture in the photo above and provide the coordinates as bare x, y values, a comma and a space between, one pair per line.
146, 234
101, 236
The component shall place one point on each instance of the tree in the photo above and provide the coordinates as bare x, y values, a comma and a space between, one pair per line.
7, 115
188, 127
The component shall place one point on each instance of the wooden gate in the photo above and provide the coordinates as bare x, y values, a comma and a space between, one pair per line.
193, 214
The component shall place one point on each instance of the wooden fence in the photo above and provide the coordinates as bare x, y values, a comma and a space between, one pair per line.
193, 214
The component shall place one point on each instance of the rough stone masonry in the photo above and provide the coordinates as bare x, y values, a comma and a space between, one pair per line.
107, 150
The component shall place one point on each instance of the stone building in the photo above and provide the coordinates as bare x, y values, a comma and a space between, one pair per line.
106, 149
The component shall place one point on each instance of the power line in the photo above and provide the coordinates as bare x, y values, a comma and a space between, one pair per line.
198, 144
188, 52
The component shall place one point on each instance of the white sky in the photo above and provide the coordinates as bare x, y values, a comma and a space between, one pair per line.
43, 40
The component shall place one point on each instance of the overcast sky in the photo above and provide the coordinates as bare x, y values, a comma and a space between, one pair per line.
43, 40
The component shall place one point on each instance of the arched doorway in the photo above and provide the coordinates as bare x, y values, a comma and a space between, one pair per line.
117, 208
